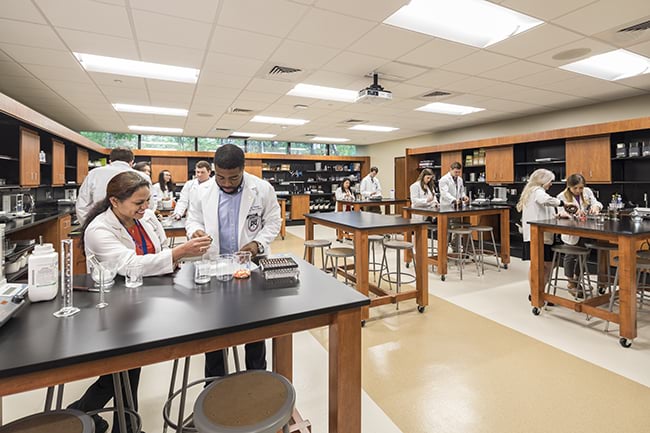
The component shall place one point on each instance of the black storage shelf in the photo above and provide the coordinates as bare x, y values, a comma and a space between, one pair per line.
632, 158
8, 158
541, 162
474, 166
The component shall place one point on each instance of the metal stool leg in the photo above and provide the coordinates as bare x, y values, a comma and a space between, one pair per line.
496, 250
398, 269
345, 269
304, 253
461, 259
322, 257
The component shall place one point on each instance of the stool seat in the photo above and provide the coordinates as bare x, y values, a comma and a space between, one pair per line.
254, 401
400, 245
571, 249
314, 243
482, 228
340, 252
375, 238
58, 421
603, 246
460, 231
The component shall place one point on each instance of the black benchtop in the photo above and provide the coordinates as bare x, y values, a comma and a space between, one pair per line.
367, 201
452, 209
624, 226
38, 216
165, 311
364, 220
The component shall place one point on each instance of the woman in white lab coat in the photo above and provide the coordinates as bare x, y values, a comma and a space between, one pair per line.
586, 202
164, 188
344, 193
121, 229
423, 192
536, 204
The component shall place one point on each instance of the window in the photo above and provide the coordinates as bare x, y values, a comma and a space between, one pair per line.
166, 142
112, 139
343, 149
207, 143
266, 146
308, 149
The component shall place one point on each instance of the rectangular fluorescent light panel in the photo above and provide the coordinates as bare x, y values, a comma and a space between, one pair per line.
320, 92
134, 68
155, 129
279, 120
374, 128
330, 139
472, 22
147, 109
612, 66
453, 109
252, 135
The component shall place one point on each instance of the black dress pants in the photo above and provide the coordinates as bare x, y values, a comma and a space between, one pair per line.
102, 391
255, 359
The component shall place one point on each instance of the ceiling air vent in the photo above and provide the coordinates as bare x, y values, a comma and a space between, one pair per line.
222, 129
354, 121
435, 94
310, 135
277, 70
636, 27
235, 110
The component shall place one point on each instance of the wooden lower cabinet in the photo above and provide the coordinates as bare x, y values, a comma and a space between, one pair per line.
299, 206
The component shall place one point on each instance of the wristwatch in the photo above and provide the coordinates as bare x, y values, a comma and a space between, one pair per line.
260, 247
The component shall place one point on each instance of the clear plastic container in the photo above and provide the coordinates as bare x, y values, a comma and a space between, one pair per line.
43, 273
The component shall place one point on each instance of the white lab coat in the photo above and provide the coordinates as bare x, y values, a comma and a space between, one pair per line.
341, 196
93, 188
370, 187
540, 206
187, 193
590, 200
108, 240
449, 190
420, 198
259, 213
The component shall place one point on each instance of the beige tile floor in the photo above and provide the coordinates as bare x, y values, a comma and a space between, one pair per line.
476, 361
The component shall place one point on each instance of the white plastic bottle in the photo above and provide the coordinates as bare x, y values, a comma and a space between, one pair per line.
43, 277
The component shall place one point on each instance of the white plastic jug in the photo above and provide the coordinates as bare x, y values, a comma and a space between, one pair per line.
43, 273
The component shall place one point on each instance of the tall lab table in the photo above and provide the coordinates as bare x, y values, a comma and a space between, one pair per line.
169, 318
358, 205
625, 233
362, 224
444, 212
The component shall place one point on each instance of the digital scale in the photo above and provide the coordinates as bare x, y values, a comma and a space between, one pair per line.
12, 300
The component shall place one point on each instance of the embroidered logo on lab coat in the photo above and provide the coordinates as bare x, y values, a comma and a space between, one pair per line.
253, 222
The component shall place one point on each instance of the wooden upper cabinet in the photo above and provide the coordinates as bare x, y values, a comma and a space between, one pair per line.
591, 157
299, 206
254, 167
499, 165
82, 164
30, 166
448, 158
58, 163
176, 166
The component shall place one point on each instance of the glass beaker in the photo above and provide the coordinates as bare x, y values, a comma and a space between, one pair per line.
202, 272
133, 275
225, 267
242, 264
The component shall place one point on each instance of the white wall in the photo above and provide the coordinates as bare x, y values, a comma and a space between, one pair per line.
383, 154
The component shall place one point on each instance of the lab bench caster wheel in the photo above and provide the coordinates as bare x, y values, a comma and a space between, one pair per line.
505, 266
442, 277
536, 311
625, 342
408, 264
602, 290
530, 298
421, 308
363, 323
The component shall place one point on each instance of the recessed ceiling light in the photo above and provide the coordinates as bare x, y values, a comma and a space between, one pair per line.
155, 129
300, 107
147, 109
330, 139
477, 23
375, 128
133, 68
320, 92
612, 66
571, 54
279, 120
252, 135
443, 108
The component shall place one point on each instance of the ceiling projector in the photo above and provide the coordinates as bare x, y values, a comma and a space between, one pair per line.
374, 93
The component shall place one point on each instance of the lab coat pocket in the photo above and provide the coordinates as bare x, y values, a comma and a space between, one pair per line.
253, 223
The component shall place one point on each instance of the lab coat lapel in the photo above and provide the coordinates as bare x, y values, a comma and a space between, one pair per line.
247, 199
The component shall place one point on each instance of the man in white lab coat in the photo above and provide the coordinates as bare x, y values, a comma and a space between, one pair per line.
371, 188
202, 171
93, 188
241, 213
451, 186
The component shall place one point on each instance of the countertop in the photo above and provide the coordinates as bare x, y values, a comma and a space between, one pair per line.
39, 216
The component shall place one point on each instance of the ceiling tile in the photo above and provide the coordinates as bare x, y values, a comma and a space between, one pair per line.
643, 49
501, 90
534, 41
302, 55
124, 95
366, 9
471, 85
172, 31
331, 79
89, 16
285, 15
603, 15
199, 10
403, 90
31, 35
437, 53
478, 62
223, 63
259, 96
40, 56
437, 79
388, 42
596, 47
231, 80
401, 71
21, 10
103, 45
243, 43
168, 55
117, 80
354, 64
546, 10
638, 82
545, 78
269, 86
317, 28
512, 71
160, 86
75, 75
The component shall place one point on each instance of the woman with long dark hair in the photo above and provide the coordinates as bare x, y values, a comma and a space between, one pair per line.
165, 187
344, 193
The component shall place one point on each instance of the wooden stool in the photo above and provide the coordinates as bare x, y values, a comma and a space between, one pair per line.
334, 254
58, 421
316, 243
255, 401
